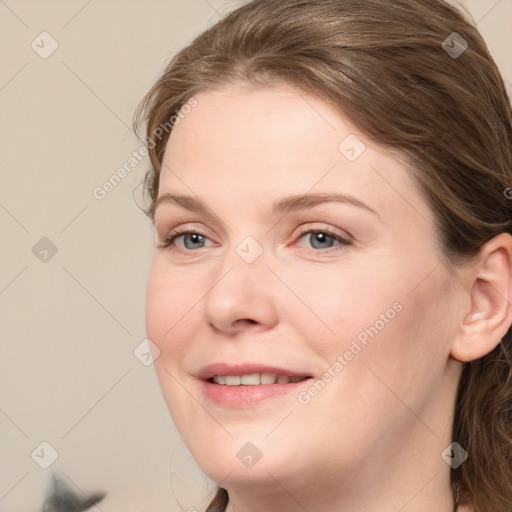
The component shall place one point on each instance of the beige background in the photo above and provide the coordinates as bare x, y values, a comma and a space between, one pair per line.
70, 324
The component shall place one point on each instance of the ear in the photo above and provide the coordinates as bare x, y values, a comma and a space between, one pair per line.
489, 315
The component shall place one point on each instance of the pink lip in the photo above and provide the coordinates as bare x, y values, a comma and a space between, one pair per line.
246, 396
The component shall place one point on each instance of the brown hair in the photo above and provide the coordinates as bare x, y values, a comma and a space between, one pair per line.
384, 65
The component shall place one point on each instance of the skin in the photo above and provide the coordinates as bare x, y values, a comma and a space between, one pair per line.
372, 439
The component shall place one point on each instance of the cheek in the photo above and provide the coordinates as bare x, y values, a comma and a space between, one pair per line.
159, 317
385, 316
170, 299
406, 334
332, 306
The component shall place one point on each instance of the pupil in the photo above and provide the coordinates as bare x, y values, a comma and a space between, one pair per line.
322, 240
194, 238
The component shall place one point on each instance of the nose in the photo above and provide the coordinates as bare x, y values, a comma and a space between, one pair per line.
242, 296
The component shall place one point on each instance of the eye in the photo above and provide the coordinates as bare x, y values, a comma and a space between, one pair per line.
323, 239
191, 240
320, 239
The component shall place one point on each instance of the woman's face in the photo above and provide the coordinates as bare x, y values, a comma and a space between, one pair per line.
314, 257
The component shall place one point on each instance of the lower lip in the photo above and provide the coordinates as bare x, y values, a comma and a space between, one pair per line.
247, 396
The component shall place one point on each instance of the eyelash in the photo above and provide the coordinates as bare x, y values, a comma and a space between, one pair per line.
169, 240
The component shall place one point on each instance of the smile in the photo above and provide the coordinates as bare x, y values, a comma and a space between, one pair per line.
254, 379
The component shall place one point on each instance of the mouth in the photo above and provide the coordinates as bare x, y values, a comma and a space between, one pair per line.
255, 379
246, 385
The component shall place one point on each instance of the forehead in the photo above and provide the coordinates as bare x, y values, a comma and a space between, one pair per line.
262, 123
249, 143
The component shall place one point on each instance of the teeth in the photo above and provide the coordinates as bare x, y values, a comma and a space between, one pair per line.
255, 379
250, 380
268, 378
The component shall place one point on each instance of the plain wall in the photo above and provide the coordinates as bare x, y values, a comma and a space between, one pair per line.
70, 324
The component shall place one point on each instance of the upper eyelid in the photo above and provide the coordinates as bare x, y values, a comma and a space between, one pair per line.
178, 231
184, 229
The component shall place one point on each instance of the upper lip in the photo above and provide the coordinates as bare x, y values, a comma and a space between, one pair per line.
207, 372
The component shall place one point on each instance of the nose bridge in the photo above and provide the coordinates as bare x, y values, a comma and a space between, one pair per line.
241, 290
244, 263
243, 271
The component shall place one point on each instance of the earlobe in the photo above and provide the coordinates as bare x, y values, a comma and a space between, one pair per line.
490, 314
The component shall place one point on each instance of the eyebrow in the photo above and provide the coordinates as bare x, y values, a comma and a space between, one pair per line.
284, 205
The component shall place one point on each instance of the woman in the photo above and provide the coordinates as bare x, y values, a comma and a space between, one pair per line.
331, 286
